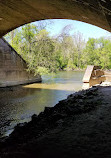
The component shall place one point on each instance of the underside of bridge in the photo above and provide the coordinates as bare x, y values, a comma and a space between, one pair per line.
14, 13
79, 126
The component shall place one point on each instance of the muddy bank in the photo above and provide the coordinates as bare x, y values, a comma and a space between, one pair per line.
79, 126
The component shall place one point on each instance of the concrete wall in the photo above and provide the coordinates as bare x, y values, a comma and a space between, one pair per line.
13, 67
93, 75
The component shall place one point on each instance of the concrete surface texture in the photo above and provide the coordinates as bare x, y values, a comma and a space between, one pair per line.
14, 13
13, 67
95, 75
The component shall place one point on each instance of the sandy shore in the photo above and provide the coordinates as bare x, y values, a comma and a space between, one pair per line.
78, 127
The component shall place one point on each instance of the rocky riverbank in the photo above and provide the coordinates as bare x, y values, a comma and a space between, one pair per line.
79, 126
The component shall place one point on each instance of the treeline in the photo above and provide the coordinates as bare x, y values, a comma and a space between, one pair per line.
45, 54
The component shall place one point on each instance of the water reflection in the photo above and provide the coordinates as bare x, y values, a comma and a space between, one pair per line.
18, 104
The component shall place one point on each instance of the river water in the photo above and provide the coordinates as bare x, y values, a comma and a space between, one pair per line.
19, 103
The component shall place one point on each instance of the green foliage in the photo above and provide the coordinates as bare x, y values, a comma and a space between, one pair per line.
98, 52
45, 54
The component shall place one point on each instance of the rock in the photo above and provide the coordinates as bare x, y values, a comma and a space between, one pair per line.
59, 122
48, 110
34, 117
106, 84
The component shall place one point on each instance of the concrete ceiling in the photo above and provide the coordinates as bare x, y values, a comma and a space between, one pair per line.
14, 13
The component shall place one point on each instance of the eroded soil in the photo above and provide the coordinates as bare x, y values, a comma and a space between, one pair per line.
78, 127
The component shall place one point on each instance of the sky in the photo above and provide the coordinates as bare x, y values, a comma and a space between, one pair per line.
87, 30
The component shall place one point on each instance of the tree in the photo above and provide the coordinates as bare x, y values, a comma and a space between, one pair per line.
45, 54
79, 44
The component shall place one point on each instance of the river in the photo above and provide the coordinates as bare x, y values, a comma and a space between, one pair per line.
18, 104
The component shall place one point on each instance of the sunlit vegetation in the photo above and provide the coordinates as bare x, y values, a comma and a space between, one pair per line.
45, 54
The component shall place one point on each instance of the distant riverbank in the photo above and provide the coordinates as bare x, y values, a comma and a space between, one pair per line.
76, 69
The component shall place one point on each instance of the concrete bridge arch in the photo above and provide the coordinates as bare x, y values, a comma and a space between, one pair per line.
14, 13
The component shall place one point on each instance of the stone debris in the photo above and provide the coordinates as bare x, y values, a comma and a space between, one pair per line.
105, 84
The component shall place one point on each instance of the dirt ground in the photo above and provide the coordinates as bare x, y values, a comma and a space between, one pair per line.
78, 127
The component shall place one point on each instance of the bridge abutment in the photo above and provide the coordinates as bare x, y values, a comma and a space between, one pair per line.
13, 67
